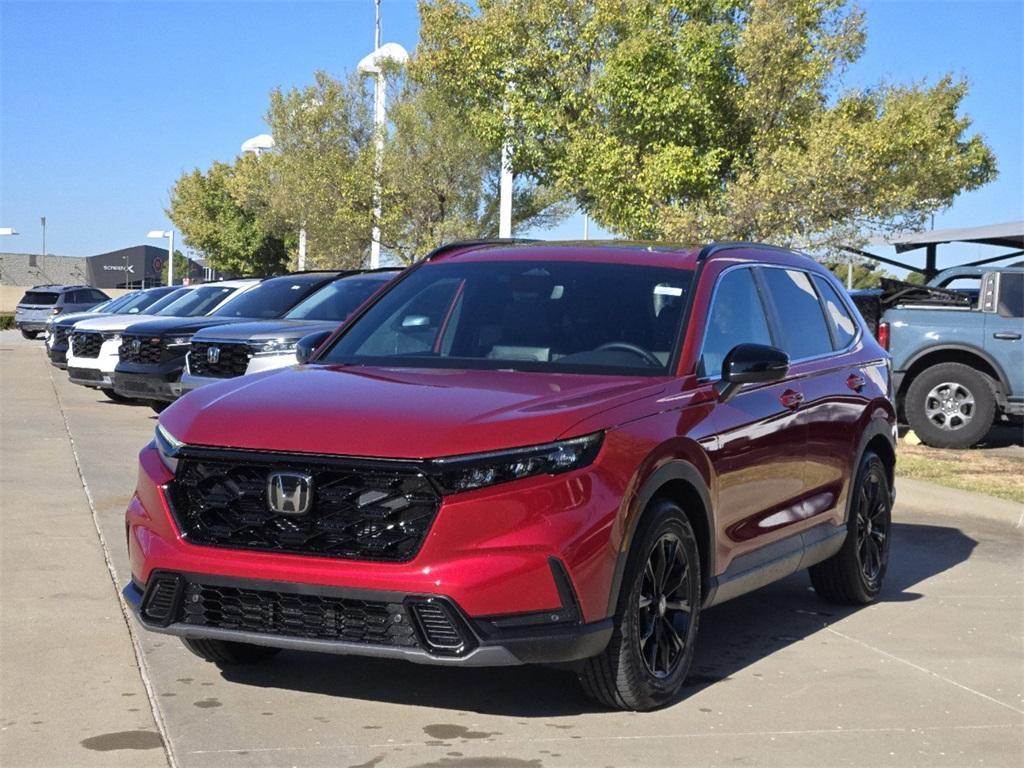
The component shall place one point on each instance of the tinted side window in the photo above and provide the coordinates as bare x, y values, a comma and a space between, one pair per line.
1011, 294
737, 317
98, 296
844, 329
804, 333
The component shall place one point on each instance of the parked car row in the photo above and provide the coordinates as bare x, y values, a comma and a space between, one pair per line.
155, 344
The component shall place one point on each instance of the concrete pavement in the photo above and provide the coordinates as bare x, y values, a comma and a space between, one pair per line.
932, 675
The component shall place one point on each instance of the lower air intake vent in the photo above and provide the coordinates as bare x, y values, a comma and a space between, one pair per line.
438, 627
160, 602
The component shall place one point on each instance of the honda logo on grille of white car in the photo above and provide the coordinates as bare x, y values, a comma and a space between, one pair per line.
289, 493
213, 355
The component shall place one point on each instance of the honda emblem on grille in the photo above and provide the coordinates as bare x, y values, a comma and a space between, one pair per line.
212, 355
136, 346
289, 493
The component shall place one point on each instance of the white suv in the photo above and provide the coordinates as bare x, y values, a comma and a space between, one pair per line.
93, 351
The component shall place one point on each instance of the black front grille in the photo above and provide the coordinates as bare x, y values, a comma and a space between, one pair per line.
227, 361
290, 614
60, 335
140, 349
86, 344
357, 510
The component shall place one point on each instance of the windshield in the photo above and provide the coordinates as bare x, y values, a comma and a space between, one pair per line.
156, 303
139, 303
114, 305
338, 300
269, 299
557, 316
197, 302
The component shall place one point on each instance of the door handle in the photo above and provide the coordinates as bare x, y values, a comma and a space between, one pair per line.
1006, 336
791, 399
855, 382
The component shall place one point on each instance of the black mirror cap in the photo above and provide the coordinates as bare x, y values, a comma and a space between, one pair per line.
751, 364
308, 345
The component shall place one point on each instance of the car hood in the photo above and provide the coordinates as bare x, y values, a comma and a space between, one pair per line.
175, 325
407, 413
266, 329
73, 317
110, 322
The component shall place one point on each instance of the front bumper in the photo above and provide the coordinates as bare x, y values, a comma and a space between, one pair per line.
89, 377
58, 355
424, 629
155, 386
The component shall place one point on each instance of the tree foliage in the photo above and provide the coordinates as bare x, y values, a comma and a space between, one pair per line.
865, 274
703, 119
209, 211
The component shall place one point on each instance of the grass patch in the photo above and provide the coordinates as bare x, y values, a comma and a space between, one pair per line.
6, 322
971, 470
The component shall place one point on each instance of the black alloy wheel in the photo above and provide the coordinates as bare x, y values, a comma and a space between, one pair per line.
664, 608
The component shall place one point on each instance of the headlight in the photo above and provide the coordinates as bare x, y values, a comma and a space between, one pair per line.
168, 446
178, 341
463, 473
276, 347
115, 336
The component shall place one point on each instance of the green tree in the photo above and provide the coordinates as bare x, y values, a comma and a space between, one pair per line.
703, 119
440, 183
181, 268
209, 212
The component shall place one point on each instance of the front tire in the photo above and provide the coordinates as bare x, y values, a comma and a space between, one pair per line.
950, 405
227, 652
655, 625
112, 395
854, 575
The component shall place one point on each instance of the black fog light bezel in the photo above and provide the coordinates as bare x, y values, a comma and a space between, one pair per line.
156, 581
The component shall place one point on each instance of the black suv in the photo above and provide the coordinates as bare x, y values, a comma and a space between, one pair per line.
152, 354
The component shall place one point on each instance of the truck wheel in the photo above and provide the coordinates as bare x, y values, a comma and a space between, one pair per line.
655, 625
226, 652
29, 334
950, 405
854, 574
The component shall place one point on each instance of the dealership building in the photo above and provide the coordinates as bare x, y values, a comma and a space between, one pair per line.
137, 267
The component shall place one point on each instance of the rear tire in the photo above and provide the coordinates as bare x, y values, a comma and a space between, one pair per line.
31, 335
950, 405
228, 653
655, 624
854, 575
112, 395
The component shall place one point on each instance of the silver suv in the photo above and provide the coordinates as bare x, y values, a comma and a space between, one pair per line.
42, 302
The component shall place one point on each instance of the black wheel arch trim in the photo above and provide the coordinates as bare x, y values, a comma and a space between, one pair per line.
1001, 378
673, 470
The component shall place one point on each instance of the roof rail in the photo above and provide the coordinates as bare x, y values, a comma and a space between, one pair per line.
711, 249
457, 244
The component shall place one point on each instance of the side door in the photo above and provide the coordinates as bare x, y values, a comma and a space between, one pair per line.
833, 403
754, 440
1002, 302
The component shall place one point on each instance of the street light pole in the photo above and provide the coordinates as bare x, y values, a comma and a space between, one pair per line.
169, 234
42, 220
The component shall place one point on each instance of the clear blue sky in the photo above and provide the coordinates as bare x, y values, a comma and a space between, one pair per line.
103, 105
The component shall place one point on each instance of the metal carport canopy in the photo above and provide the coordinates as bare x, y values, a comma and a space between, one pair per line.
1009, 234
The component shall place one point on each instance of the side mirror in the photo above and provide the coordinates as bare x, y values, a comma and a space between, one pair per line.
307, 345
751, 364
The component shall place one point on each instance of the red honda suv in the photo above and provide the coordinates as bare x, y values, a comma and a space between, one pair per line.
528, 453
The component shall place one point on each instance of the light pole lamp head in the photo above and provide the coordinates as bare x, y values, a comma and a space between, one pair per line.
373, 62
158, 233
8, 231
258, 144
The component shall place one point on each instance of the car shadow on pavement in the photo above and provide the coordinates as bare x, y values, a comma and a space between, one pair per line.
733, 636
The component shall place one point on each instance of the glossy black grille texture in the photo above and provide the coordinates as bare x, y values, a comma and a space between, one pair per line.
294, 615
231, 359
60, 335
86, 344
356, 512
140, 349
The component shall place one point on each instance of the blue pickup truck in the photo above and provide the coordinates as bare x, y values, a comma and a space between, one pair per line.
957, 350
